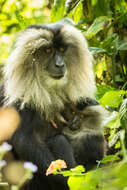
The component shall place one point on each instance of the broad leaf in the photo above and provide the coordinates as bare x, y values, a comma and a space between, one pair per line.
110, 158
110, 41
98, 25
122, 46
102, 89
95, 50
77, 183
112, 98
113, 121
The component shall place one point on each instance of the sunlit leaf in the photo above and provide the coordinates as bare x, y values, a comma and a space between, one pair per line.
113, 121
102, 89
58, 10
69, 4
77, 183
92, 178
98, 25
117, 145
112, 98
78, 12
100, 67
110, 158
93, 2
79, 169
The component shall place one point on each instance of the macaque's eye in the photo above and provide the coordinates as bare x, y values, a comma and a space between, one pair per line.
49, 50
62, 49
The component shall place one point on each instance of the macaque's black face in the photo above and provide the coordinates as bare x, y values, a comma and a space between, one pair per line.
52, 57
58, 50
52, 52
57, 65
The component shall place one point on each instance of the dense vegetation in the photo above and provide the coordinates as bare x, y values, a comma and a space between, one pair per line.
104, 24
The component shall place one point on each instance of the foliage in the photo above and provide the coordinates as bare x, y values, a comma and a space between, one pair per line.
103, 23
15, 16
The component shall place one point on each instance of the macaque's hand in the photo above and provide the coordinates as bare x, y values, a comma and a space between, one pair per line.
74, 123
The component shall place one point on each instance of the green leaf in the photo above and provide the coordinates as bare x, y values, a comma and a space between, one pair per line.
89, 181
113, 121
98, 25
92, 179
78, 170
117, 145
69, 4
122, 47
93, 2
95, 50
101, 67
112, 98
78, 12
123, 113
66, 173
100, 7
102, 89
110, 158
110, 41
77, 183
58, 10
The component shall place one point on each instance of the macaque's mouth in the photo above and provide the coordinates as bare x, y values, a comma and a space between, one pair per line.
58, 76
